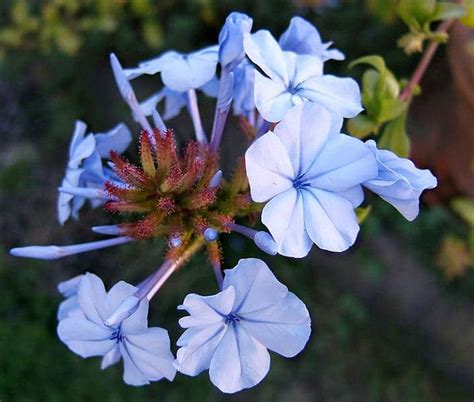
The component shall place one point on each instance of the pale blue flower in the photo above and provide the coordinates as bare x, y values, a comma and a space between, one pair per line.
85, 174
399, 181
229, 333
145, 351
231, 47
303, 38
293, 78
311, 177
181, 72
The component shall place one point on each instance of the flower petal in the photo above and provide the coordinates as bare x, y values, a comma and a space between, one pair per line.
304, 132
117, 139
272, 98
339, 95
150, 355
343, 163
92, 296
284, 218
283, 328
330, 219
207, 310
255, 286
191, 71
119, 292
197, 346
84, 337
239, 362
268, 167
262, 48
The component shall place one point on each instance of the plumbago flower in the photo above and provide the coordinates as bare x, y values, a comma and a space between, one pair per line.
399, 182
293, 78
85, 174
229, 333
313, 180
310, 176
145, 351
303, 38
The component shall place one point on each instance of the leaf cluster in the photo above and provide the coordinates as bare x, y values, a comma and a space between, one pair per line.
418, 15
385, 112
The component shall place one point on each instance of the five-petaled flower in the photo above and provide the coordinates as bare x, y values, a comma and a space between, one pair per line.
145, 351
293, 78
229, 333
312, 180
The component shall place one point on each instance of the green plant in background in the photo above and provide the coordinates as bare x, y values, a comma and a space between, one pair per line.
64, 24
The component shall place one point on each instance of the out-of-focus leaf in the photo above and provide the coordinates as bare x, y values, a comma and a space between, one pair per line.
385, 10
390, 108
416, 13
362, 126
454, 257
465, 208
395, 138
468, 19
445, 10
363, 213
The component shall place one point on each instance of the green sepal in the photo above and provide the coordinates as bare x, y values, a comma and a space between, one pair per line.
394, 137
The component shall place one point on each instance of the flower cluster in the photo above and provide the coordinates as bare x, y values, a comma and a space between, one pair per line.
300, 175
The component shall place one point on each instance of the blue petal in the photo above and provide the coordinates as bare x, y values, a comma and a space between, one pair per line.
283, 328
399, 181
81, 150
343, 163
240, 361
91, 296
272, 98
269, 168
255, 286
243, 88
330, 220
138, 321
117, 294
192, 71
197, 346
147, 357
304, 132
111, 357
84, 337
284, 218
207, 310
303, 38
116, 139
339, 95
69, 308
231, 49
262, 48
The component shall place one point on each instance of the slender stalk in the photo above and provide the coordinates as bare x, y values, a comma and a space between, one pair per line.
424, 62
156, 281
193, 110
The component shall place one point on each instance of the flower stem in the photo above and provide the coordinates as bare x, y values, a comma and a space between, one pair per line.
424, 62
193, 110
156, 281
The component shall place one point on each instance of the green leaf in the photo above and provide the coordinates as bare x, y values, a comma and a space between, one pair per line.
445, 11
395, 138
416, 13
369, 83
465, 208
390, 109
361, 126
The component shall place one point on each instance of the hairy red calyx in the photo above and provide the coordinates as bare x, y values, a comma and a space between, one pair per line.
169, 195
